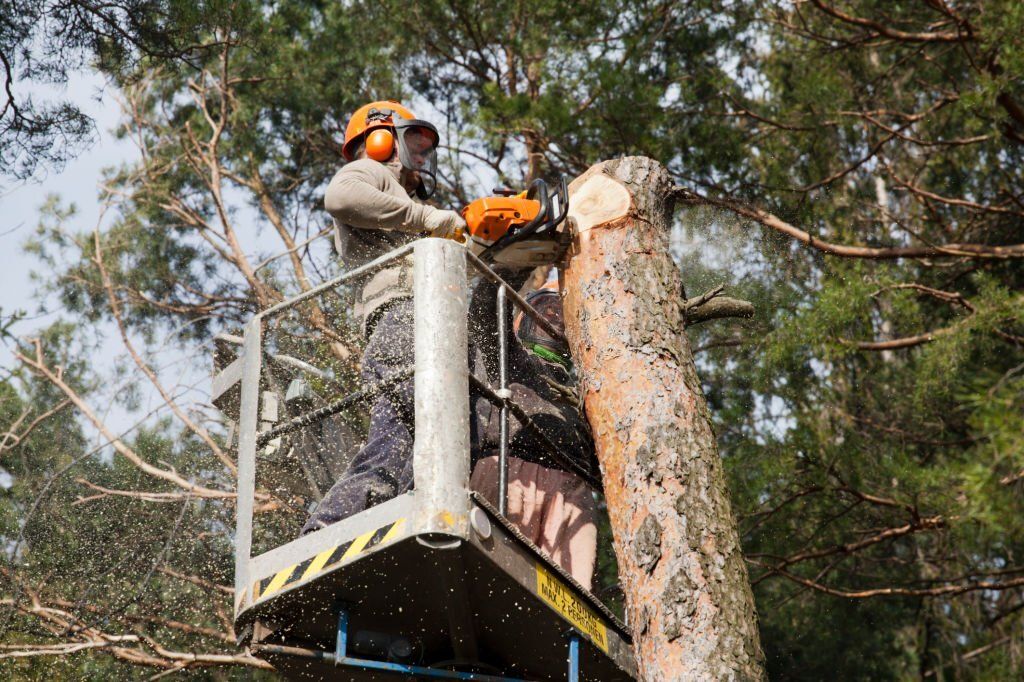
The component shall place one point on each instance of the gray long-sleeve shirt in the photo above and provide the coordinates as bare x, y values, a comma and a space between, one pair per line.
374, 214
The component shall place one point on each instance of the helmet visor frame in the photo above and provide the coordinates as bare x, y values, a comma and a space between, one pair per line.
417, 142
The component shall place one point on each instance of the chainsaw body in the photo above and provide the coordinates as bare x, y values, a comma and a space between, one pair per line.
519, 230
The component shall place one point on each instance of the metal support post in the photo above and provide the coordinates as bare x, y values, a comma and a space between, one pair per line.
341, 642
504, 393
574, 657
441, 448
245, 489
341, 659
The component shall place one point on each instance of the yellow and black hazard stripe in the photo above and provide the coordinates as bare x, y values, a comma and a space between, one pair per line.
325, 561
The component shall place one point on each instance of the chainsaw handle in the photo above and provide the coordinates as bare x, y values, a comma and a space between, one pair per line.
538, 190
563, 202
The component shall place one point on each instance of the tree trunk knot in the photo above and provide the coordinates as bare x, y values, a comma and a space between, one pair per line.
648, 544
679, 601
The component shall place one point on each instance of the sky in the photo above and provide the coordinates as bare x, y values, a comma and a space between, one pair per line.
75, 183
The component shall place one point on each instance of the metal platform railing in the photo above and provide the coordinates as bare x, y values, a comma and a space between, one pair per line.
441, 375
438, 514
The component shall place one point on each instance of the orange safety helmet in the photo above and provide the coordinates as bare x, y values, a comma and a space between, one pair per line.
384, 125
363, 122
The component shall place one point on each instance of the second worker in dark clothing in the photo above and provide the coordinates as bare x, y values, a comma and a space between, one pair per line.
549, 498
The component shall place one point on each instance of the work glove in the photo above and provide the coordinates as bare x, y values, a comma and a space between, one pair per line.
446, 224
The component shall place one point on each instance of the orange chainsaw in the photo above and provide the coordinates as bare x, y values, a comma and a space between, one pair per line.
519, 230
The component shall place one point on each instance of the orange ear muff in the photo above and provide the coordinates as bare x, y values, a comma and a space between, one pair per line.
380, 144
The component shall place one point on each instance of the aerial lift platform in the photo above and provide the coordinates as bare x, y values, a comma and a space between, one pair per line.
435, 583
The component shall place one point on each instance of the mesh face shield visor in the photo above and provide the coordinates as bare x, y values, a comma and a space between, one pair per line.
533, 337
417, 150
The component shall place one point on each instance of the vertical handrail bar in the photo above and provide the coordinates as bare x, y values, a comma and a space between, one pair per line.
245, 490
441, 447
503, 392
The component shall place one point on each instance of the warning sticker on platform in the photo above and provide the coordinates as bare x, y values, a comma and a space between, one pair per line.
572, 608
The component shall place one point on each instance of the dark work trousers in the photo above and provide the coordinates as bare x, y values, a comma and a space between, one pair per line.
382, 469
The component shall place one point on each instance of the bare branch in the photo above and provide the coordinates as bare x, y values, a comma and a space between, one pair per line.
847, 549
115, 311
974, 653
39, 365
711, 306
691, 198
12, 439
698, 301
195, 580
941, 591
718, 308
62, 624
889, 32
895, 344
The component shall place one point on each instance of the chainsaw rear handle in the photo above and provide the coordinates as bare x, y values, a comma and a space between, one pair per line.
563, 201
540, 187
544, 220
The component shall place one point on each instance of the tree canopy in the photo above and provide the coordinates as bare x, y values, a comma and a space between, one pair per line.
853, 168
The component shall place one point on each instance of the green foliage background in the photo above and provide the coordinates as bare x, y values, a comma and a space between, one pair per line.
877, 490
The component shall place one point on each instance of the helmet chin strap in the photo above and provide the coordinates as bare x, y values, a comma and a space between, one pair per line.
421, 191
405, 177
410, 181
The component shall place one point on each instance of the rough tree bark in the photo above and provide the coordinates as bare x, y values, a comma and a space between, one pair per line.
688, 598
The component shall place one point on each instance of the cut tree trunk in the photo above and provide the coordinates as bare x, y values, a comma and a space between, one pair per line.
688, 598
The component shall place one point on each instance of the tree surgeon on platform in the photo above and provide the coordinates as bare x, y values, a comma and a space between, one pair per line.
376, 201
